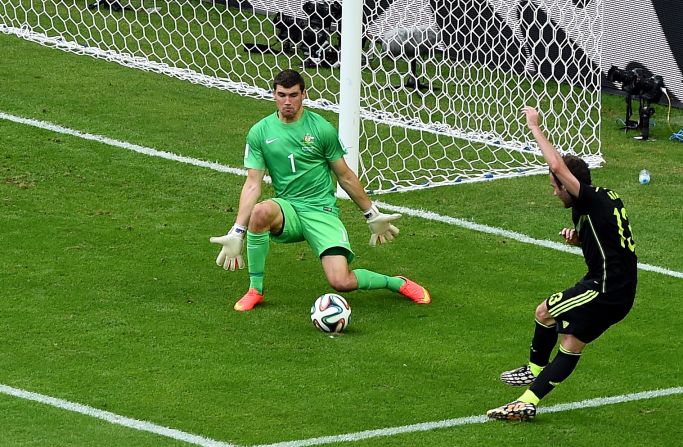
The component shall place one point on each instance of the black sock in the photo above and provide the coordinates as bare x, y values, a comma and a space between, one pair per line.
545, 338
559, 369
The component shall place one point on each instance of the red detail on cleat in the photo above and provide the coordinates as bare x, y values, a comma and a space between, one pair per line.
248, 301
414, 291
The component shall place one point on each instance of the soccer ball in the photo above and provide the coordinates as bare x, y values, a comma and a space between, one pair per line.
330, 313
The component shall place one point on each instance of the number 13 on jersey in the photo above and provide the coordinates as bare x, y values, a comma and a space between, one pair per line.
620, 214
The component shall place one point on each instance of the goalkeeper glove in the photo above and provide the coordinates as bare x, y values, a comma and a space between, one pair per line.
230, 256
380, 225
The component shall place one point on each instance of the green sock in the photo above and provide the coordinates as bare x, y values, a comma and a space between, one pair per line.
258, 245
368, 280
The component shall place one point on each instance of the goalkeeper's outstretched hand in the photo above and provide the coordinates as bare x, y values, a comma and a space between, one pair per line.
230, 256
383, 230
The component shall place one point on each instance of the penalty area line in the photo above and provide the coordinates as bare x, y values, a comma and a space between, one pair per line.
123, 145
589, 403
202, 441
113, 418
428, 215
519, 237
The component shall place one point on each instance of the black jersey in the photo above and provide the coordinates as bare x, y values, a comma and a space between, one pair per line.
606, 239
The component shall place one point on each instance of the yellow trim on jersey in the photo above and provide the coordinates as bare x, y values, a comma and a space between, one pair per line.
573, 302
602, 253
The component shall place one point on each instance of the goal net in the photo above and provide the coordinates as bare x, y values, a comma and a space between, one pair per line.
442, 82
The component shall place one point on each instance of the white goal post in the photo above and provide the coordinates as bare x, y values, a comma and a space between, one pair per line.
428, 91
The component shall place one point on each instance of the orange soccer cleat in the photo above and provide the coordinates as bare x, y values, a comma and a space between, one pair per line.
249, 300
414, 291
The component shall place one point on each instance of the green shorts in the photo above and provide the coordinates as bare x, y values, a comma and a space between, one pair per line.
321, 229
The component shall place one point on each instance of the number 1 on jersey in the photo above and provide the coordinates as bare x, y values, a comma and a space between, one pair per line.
291, 160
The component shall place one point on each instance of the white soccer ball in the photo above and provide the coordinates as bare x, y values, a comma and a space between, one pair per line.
330, 313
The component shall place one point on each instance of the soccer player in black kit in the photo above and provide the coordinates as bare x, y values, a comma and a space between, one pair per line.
604, 296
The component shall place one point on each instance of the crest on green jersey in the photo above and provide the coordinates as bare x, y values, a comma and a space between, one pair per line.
308, 139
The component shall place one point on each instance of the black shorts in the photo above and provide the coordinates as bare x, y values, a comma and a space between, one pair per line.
587, 313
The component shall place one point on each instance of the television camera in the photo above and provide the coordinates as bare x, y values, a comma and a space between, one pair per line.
648, 88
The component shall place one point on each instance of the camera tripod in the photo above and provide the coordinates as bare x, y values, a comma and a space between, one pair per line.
645, 111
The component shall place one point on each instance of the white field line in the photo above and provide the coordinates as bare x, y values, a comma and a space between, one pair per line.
124, 145
392, 431
428, 215
113, 418
519, 237
348, 437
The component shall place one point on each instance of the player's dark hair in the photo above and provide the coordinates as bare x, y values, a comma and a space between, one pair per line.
578, 167
289, 78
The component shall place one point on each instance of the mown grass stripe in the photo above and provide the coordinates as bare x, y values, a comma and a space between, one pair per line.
428, 215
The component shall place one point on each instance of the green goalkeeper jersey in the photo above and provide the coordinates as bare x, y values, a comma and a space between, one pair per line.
297, 157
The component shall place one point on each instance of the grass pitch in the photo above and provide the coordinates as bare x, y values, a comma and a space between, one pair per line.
110, 296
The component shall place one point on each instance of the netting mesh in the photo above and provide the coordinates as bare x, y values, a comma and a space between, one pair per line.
442, 82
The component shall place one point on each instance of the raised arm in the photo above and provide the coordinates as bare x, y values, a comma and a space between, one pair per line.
551, 155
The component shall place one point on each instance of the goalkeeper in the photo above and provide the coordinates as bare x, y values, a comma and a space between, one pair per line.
300, 149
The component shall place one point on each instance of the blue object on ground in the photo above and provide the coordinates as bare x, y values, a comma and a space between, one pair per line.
678, 136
